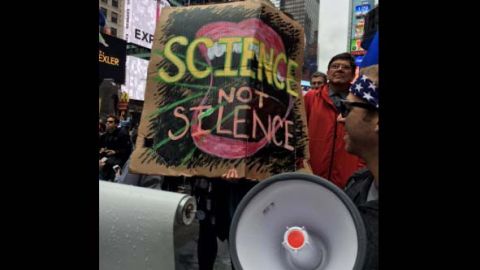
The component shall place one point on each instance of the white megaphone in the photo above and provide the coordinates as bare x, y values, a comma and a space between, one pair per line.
140, 228
297, 221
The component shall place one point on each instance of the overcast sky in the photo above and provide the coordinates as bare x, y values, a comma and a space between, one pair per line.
333, 30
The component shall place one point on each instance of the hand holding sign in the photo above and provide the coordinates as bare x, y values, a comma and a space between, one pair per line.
232, 174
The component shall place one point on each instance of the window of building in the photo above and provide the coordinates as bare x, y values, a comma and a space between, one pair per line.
105, 1
113, 31
115, 3
114, 17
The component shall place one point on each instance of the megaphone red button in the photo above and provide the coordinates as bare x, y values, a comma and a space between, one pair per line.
296, 239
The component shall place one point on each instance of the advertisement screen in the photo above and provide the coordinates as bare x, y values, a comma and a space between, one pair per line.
140, 20
136, 78
359, 10
111, 58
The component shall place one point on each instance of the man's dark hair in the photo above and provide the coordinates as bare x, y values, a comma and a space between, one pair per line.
319, 74
344, 56
115, 118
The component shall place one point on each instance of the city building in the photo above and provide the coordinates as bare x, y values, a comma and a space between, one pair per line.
306, 13
114, 14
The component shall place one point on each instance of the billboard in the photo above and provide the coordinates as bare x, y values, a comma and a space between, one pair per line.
356, 48
360, 8
223, 93
140, 20
136, 78
111, 58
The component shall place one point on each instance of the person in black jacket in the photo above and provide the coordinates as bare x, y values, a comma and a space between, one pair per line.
364, 193
115, 148
217, 200
359, 114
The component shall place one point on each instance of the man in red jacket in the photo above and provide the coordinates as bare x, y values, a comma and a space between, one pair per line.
328, 157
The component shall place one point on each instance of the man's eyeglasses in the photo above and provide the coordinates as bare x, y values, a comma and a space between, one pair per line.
317, 83
340, 66
346, 107
110, 121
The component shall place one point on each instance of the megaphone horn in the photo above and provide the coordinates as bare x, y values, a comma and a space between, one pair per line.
296, 221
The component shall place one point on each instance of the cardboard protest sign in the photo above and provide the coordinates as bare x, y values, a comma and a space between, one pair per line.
223, 92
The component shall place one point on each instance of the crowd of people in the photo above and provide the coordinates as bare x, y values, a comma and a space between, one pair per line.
342, 119
343, 124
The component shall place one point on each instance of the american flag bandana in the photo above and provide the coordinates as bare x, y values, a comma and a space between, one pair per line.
364, 88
